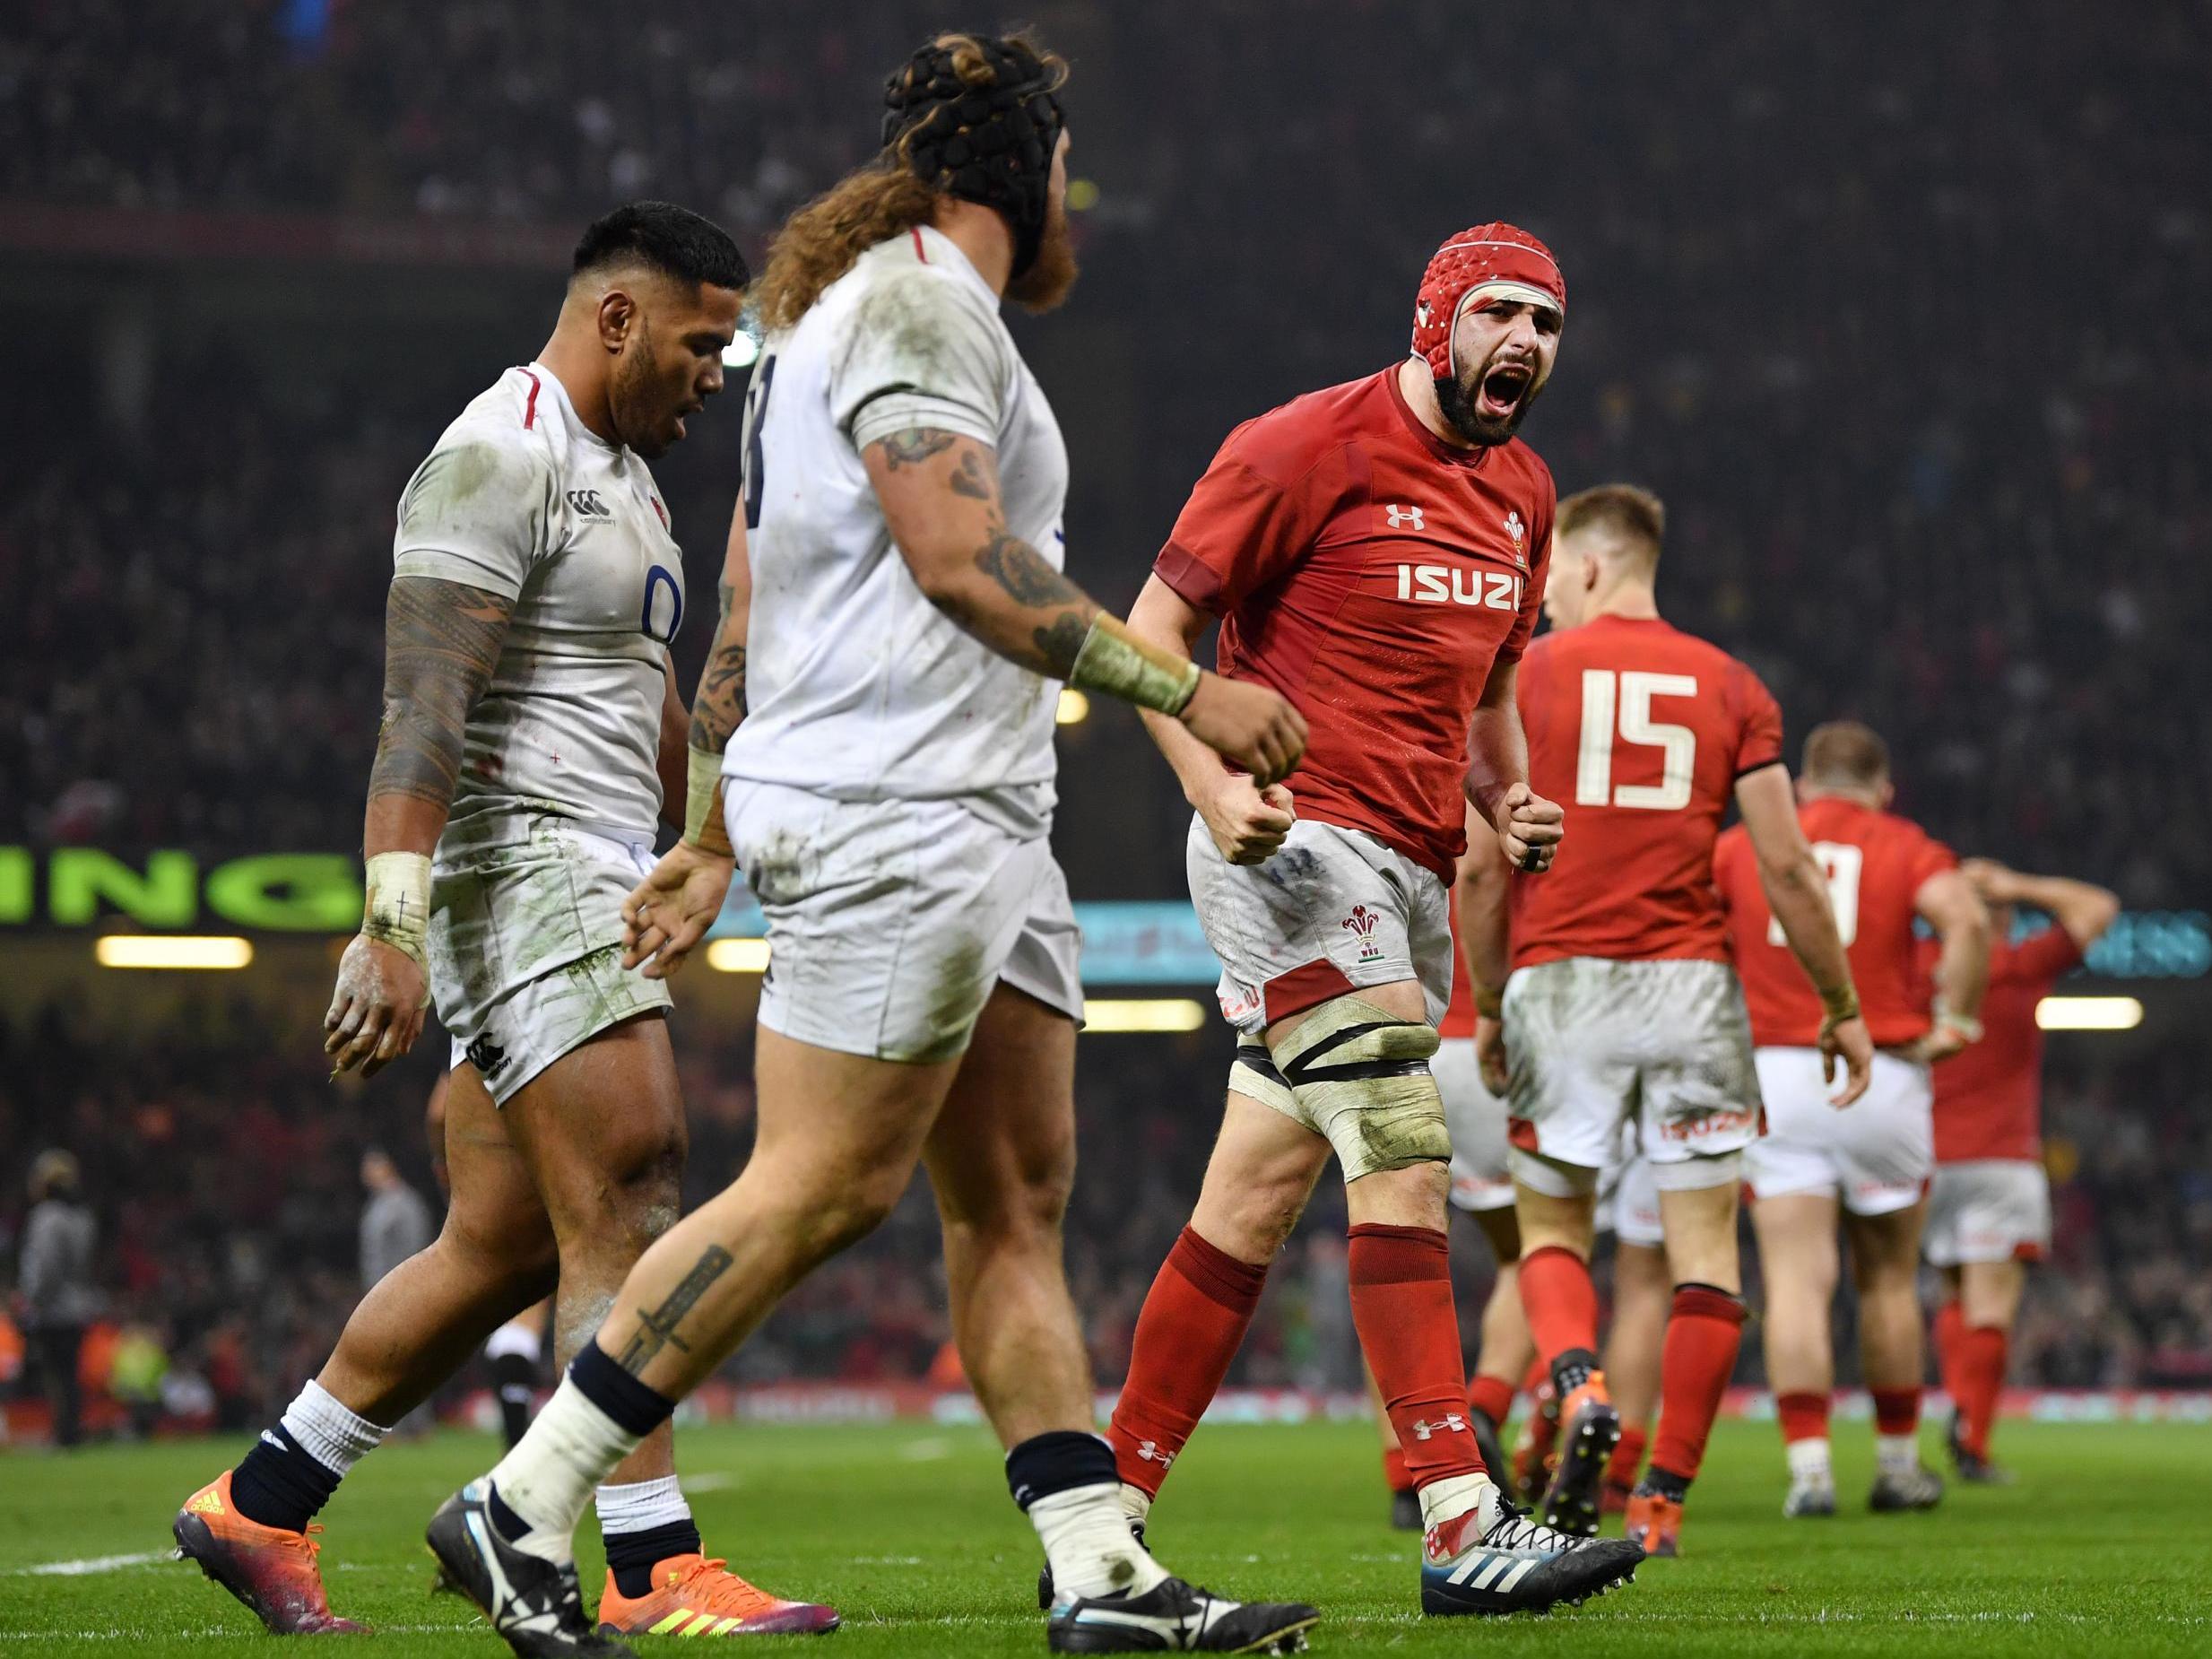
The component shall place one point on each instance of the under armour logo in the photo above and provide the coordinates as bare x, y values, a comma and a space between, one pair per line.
1453, 1423
1149, 1451
1408, 516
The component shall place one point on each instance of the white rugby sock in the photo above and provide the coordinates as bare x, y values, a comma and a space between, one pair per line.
550, 1475
328, 1431
1896, 1454
641, 1505
1452, 1496
1136, 1503
1808, 1462
1085, 1532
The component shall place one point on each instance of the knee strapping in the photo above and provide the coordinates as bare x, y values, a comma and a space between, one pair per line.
1360, 1077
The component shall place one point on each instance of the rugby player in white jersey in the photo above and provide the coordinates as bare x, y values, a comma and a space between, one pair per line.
529, 719
895, 623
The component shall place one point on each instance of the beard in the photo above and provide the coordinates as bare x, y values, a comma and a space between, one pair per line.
1053, 272
1455, 396
632, 399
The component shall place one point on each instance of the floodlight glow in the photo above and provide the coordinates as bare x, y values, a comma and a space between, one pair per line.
2089, 1014
1074, 707
172, 951
1172, 1014
738, 956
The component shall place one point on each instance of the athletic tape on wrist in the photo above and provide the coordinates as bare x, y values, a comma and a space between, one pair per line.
1115, 660
704, 773
398, 911
1838, 1006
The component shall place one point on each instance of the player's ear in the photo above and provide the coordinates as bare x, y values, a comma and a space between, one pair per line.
618, 315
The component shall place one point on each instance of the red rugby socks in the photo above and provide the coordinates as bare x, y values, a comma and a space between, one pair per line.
1402, 1306
1191, 1323
1705, 1327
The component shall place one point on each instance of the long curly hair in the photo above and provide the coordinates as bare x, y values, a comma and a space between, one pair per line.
820, 242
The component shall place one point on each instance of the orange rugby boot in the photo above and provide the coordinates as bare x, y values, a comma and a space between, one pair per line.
697, 1595
271, 1571
1589, 1430
1655, 1522
1535, 1453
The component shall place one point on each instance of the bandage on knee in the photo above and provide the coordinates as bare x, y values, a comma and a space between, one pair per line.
1360, 1075
1252, 1074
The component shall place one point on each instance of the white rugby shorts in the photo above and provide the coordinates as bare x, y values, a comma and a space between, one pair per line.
1333, 911
1987, 1210
1476, 1119
1874, 1155
1636, 1205
890, 921
1591, 1044
525, 940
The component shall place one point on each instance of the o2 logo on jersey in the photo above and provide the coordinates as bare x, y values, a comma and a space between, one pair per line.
1490, 590
662, 612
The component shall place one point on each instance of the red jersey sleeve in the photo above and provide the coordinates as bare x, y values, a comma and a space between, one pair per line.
2045, 957
1758, 720
1930, 858
1267, 495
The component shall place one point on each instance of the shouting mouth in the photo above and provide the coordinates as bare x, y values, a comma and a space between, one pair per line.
1503, 388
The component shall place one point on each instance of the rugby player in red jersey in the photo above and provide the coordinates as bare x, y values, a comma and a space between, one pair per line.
1988, 1212
1374, 551
1620, 1005
1872, 1162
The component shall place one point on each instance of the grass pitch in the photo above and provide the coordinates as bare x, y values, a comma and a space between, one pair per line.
2103, 1547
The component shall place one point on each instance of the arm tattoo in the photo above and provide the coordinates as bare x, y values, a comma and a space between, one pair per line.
915, 445
441, 641
968, 478
656, 1329
720, 703
1022, 574
1021, 571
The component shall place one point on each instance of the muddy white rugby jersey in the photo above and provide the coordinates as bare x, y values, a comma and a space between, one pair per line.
856, 685
520, 497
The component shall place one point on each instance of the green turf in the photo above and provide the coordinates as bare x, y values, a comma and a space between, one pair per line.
2103, 1546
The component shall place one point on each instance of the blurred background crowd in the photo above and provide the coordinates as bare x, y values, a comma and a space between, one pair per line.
1899, 307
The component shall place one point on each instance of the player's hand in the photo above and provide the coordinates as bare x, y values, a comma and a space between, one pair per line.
1849, 1043
378, 1009
1247, 726
1999, 884
1943, 1040
1491, 1053
1247, 823
1528, 827
669, 912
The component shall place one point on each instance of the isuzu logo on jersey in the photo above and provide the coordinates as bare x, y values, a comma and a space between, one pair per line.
1493, 590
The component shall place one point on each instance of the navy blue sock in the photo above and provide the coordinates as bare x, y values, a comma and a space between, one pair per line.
631, 1557
614, 1391
504, 1520
1054, 1461
279, 1484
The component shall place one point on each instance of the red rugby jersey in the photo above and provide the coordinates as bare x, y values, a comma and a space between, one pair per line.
1875, 864
1459, 1016
1639, 731
1373, 575
1988, 1096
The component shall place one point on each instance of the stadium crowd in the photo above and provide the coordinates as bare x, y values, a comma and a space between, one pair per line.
1924, 414
227, 1197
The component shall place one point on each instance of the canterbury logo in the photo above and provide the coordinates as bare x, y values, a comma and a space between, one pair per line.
587, 503
1406, 517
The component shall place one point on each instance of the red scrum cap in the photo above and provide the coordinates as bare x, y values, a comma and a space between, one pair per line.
1487, 262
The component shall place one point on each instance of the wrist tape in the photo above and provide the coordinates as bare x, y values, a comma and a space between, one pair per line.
398, 911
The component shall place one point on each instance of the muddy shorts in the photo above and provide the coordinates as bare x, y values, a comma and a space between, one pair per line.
891, 922
1987, 1210
525, 940
1593, 1044
1333, 911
